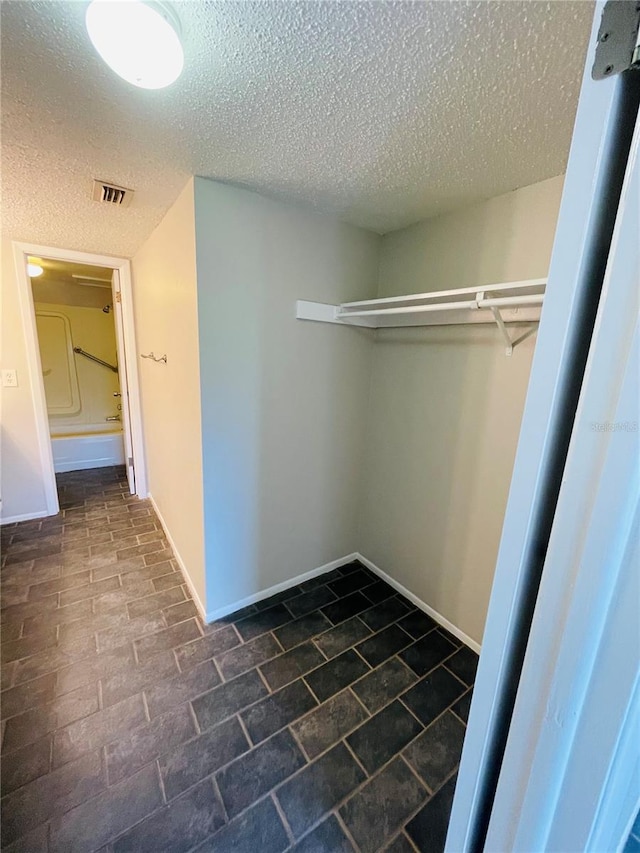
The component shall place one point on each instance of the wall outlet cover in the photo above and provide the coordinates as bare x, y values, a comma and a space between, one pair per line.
10, 378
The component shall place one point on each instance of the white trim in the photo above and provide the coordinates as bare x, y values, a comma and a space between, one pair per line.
577, 700
220, 612
439, 618
573, 261
123, 266
280, 587
620, 794
179, 560
133, 381
36, 380
123, 381
26, 516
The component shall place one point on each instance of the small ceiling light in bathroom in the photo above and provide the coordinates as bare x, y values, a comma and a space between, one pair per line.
140, 41
34, 270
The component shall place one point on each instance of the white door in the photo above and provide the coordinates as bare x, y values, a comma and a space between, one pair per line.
570, 778
124, 385
493, 802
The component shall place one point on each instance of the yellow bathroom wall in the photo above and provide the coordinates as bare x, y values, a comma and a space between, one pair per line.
58, 363
93, 331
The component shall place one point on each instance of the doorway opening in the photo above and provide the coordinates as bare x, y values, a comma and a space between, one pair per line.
77, 310
83, 387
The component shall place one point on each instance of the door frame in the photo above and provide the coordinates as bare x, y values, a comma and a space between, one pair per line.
586, 208
578, 700
20, 252
127, 432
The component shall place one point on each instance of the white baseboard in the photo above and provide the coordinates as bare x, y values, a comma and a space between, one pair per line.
439, 618
27, 516
279, 587
196, 598
220, 612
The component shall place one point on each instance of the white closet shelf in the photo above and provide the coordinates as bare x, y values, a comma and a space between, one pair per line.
508, 302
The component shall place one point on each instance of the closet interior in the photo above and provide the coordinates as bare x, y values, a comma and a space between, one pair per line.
448, 371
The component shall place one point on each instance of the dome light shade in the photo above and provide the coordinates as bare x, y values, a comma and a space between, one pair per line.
34, 270
138, 40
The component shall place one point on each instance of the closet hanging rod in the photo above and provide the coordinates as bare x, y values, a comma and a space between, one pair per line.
95, 358
506, 302
511, 301
429, 296
343, 313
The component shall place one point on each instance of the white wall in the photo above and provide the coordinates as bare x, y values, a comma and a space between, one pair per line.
20, 469
166, 320
446, 405
283, 402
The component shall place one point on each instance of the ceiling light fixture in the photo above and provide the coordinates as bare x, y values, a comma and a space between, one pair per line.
138, 40
34, 270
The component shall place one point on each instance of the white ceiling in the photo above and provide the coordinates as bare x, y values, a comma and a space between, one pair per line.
381, 112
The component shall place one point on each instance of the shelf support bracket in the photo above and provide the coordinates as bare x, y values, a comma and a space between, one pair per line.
497, 316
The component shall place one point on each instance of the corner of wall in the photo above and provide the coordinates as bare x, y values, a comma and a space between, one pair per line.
283, 402
441, 433
166, 321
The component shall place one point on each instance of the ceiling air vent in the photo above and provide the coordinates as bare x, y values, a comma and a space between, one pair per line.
111, 194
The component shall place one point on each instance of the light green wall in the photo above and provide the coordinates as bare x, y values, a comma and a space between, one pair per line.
446, 405
166, 319
283, 402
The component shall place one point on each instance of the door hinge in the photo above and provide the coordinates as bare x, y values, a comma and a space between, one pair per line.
618, 47
118, 296
130, 461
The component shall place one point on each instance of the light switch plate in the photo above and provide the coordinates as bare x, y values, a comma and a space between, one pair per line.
10, 378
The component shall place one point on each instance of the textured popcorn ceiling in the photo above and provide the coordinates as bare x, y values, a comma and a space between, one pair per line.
381, 112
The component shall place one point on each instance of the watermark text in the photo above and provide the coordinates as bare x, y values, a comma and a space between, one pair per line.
614, 426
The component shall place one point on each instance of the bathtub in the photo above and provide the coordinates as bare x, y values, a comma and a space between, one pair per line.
86, 446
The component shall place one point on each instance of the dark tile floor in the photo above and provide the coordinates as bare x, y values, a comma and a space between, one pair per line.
329, 718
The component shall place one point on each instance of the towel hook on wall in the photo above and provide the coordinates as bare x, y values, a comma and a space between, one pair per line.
162, 358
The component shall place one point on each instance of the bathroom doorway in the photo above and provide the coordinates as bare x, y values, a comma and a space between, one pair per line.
77, 310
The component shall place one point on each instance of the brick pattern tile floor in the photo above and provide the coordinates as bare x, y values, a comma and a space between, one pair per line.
329, 718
